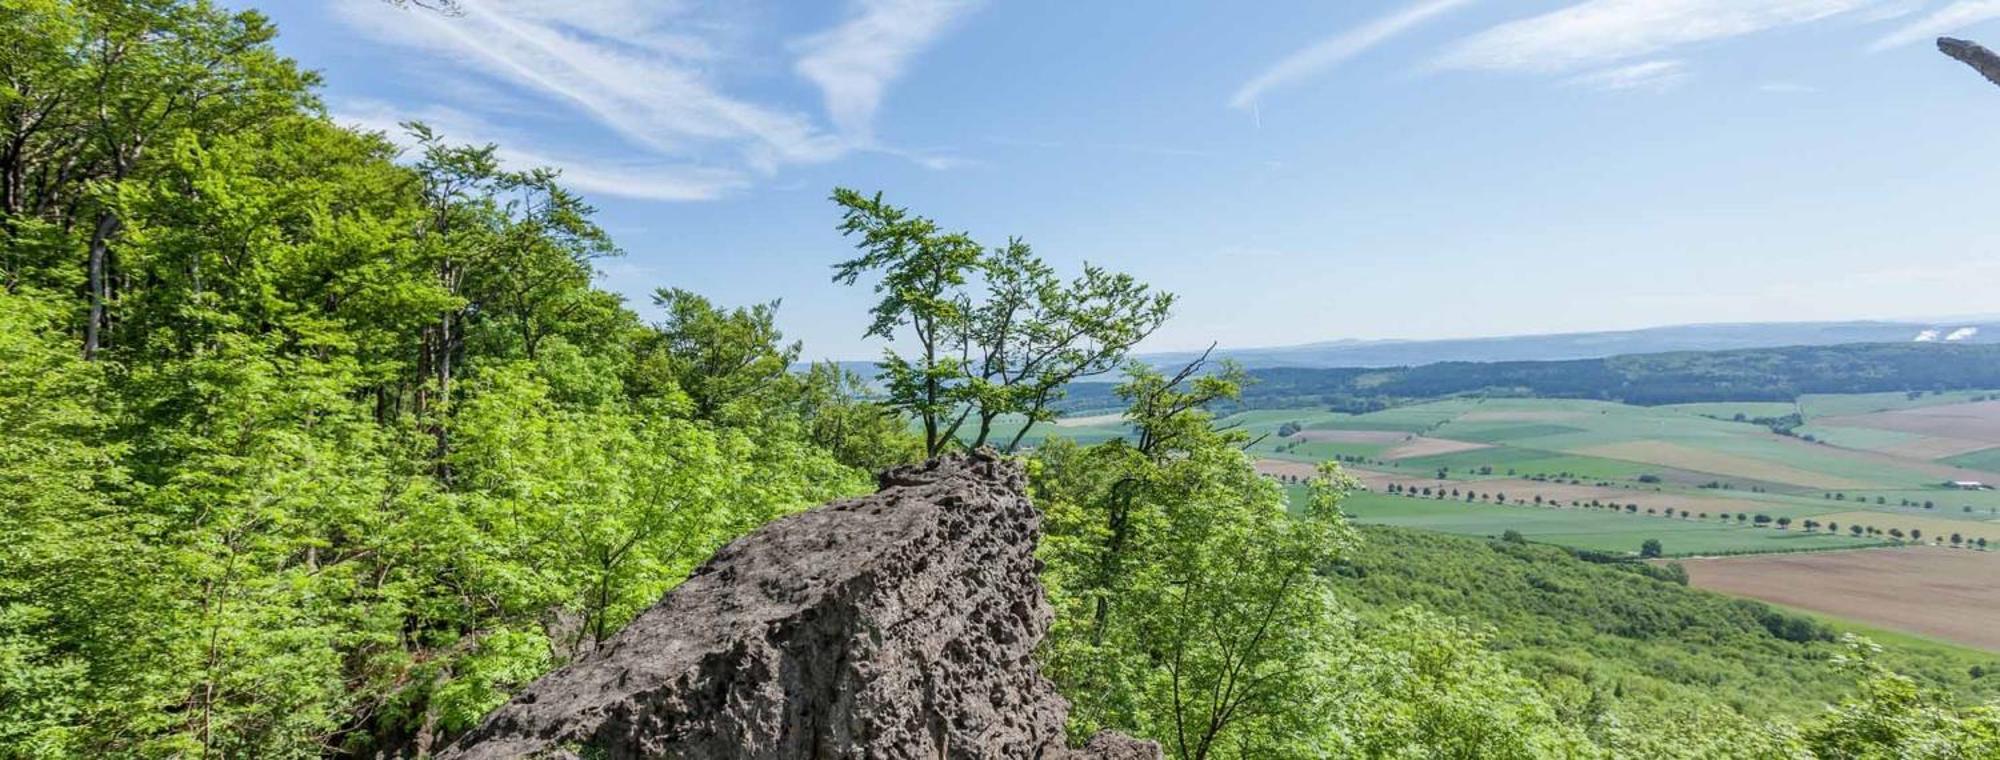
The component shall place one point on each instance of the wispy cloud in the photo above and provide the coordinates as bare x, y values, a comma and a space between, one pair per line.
648, 73
1599, 32
624, 177
1786, 88
1334, 50
1650, 75
854, 63
1944, 20
1093, 146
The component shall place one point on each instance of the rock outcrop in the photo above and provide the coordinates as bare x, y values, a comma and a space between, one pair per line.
1972, 54
898, 625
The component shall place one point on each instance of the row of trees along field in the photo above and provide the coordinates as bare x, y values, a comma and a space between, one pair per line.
315, 447
1760, 520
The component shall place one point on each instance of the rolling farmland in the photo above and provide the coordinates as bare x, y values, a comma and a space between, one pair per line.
1696, 458
1703, 481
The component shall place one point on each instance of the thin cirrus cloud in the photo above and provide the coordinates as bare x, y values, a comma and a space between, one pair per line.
645, 72
1604, 32
855, 62
1337, 49
638, 179
1602, 44
1647, 75
1945, 20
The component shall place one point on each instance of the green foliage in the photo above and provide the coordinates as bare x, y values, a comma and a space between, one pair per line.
1186, 597
310, 452
839, 415
1890, 716
1193, 609
1628, 635
996, 332
64, 612
726, 361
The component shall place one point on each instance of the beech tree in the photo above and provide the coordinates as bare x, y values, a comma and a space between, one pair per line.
995, 332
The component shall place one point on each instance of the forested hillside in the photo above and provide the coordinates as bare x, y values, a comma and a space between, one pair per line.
317, 447
312, 447
1757, 374
1628, 628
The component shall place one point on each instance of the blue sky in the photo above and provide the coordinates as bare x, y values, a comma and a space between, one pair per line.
1295, 170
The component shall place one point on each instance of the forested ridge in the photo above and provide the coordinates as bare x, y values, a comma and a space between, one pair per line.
312, 446
1681, 377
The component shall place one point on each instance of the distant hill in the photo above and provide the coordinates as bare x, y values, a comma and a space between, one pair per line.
1596, 345
1756, 374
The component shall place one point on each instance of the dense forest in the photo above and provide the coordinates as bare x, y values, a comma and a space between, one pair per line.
1753, 374
318, 447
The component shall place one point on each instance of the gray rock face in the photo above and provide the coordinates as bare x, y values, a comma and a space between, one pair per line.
1972, 54
899, 625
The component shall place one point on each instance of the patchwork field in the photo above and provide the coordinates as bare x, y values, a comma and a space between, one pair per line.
1352, 436
1953, 595
1681, 457
1429, 447
1976, 421
1937, 448
1599, 530
1833, 405
1096, 420
1537, 467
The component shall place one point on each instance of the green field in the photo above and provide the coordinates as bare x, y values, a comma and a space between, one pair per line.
1818, 405
1729, 409
1988, 460
1513, 460
1598, 530
1690, 456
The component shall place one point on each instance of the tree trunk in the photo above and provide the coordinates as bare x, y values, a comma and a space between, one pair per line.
97, 283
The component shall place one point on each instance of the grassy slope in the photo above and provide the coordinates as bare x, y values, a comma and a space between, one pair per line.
1602, 628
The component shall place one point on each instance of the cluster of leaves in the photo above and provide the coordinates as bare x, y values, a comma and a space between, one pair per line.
311, 449
992, 332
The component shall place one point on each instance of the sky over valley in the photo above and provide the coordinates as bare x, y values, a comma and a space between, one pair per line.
1296, 171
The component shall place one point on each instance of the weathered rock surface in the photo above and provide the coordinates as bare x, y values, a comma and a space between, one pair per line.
1972, 54
899, 625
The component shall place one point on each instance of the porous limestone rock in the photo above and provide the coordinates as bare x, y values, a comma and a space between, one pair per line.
898, 625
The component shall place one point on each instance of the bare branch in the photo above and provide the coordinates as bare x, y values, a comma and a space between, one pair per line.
446, 7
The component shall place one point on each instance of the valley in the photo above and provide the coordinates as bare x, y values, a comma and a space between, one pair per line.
1832, 503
